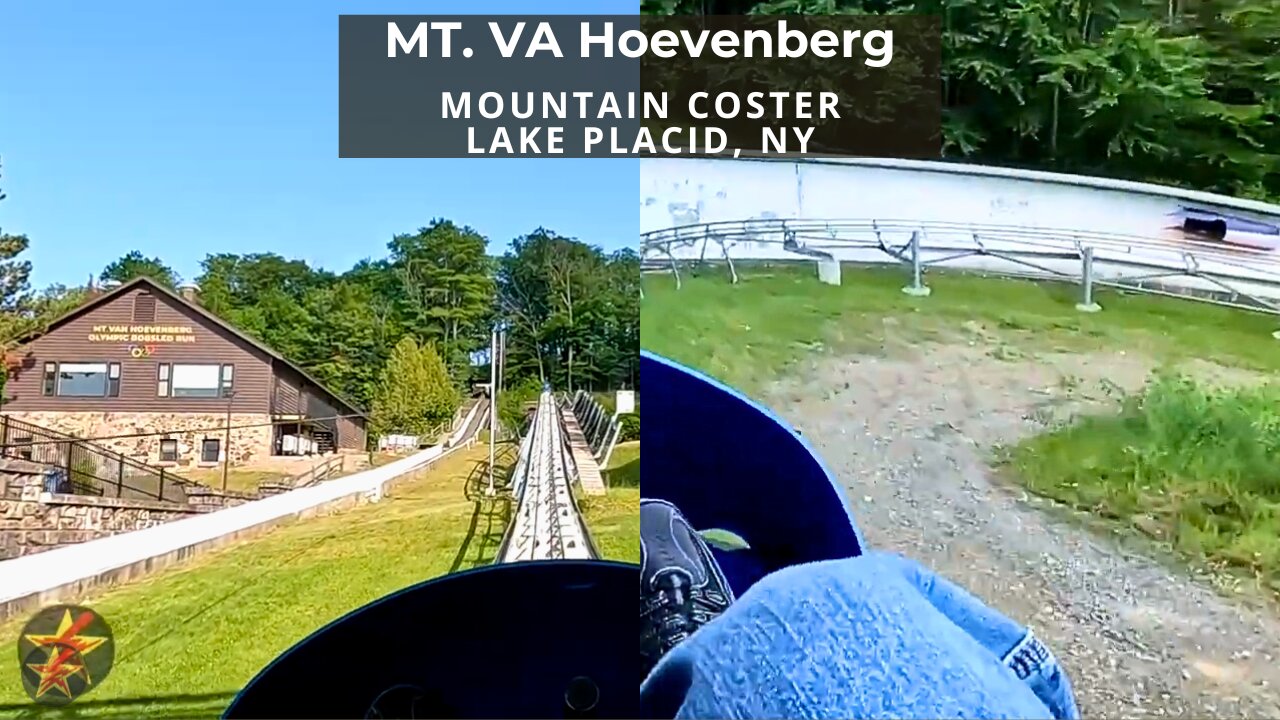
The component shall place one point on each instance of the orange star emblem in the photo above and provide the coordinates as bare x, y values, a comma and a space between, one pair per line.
55, 671
66, 649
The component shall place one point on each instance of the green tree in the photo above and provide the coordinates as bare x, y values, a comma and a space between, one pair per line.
574, 316
133, 265
414, 392
264, 294
14, 273
351, 336
446, 289
1180, 92
514, 402
229, 282
572, 310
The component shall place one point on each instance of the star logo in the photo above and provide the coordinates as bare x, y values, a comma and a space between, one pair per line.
64, 651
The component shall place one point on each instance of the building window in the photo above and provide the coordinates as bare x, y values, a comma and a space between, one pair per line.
210, 449
50, 378
196, 381
168, 450
144, 308
85, 379
228, 378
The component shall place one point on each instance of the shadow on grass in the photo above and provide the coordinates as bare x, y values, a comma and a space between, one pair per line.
626, 475
235, 590
490, 515
204, 705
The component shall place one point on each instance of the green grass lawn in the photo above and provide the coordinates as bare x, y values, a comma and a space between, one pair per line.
614, 518
1193, 466
238, 480
624, 466
609, 401
752, 331
189, 638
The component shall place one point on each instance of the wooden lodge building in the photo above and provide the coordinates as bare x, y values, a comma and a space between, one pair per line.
146, 361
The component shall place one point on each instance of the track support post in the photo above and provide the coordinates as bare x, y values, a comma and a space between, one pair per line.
1087, 303
917, 288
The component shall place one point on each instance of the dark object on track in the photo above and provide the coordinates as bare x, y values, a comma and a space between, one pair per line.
526, 640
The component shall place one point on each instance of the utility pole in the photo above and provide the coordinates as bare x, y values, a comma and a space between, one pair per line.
493, 405
502, 358
502, 364
226, 445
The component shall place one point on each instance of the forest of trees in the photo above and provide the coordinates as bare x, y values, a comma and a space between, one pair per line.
572, 311
1180, 92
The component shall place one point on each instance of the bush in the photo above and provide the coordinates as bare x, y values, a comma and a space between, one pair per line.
513, 404
628, 428
414, 392
1192, 465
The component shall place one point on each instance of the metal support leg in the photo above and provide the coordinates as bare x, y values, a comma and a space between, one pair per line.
917, 288
1086, 303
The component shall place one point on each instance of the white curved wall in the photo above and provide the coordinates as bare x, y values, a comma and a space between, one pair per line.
677, 192
900, 193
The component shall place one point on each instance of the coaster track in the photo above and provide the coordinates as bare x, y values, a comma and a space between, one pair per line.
546, 524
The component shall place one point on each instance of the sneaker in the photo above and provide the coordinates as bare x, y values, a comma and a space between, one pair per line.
681, 585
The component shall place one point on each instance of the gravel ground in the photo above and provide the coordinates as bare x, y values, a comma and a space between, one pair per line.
910, 438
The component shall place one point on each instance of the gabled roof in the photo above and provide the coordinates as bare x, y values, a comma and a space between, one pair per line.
104, 298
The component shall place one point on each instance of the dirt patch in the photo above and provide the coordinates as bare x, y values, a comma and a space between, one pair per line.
910, 436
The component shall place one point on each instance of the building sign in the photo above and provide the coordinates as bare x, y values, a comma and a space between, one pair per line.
147, 334
625, 402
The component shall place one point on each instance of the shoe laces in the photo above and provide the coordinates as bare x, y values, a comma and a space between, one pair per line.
678, 608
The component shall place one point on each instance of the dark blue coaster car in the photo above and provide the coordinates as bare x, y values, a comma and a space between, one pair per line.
730, 464
557, 638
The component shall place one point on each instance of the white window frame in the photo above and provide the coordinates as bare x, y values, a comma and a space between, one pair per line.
80, 367
213, 388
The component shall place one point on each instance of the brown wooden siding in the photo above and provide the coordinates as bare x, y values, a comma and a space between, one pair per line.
70, 343
288, 392
351, 434
318, 405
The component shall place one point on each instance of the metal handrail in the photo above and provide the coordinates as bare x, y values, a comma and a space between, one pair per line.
1236, 276
830, 228
90, 468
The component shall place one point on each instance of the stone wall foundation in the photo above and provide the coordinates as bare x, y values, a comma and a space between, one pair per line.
32, 520
190, 430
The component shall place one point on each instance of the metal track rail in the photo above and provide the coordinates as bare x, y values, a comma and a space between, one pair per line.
546, 524
1174, 264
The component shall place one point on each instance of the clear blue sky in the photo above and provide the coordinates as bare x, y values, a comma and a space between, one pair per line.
190, 127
